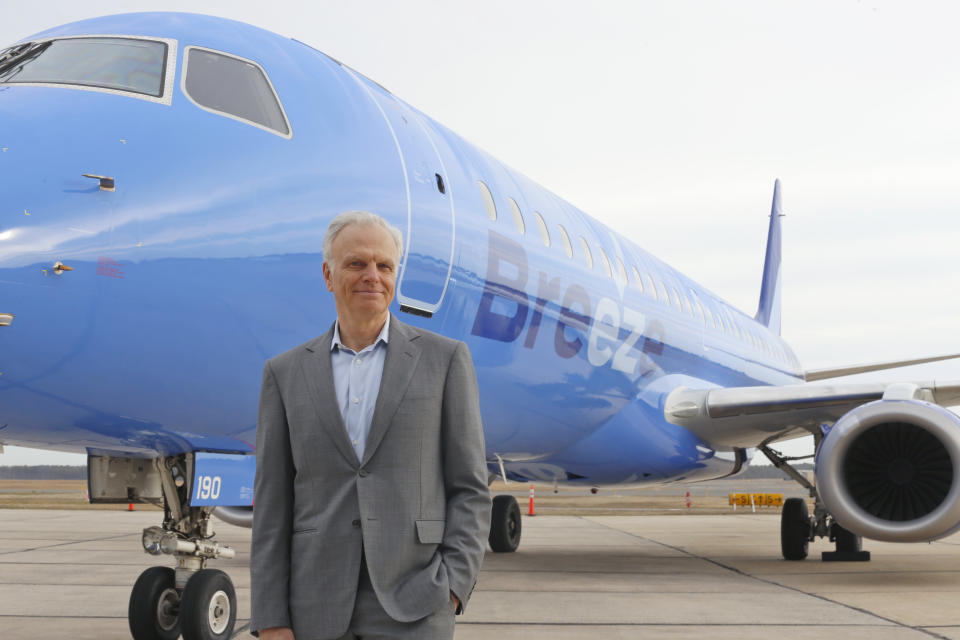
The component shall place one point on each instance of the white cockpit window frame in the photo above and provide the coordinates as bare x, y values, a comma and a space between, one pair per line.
226, 114
169, 75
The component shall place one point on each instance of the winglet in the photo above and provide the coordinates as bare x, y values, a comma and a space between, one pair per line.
768, 311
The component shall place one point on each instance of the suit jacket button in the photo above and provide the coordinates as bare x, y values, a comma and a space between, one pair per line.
356, 523
363, 473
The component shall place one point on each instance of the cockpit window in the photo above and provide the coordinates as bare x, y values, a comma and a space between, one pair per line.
120, 64
233, 87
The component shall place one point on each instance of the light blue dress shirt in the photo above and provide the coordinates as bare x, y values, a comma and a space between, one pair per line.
356, 380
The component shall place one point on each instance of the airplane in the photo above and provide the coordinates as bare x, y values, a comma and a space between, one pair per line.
167, 179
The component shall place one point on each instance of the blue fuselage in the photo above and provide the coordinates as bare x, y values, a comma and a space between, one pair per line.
206, 260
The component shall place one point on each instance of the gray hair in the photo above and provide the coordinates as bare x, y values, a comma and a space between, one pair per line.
363, 218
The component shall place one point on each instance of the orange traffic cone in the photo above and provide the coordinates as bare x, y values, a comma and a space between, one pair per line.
688, 499
130, 507
531, 512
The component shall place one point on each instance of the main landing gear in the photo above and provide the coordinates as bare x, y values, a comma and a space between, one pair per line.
798, 528
191, 600
505, 524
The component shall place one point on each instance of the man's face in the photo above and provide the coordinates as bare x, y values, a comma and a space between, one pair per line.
361, 272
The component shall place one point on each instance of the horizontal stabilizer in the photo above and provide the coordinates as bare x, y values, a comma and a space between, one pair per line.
823, 374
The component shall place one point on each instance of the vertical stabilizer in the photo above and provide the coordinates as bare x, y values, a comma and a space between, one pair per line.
768, 311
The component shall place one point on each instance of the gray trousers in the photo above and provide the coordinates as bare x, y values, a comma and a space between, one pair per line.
371, 622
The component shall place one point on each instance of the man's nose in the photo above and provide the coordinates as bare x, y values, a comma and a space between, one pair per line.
370, 272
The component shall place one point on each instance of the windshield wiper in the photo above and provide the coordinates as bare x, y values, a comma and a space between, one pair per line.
14, 58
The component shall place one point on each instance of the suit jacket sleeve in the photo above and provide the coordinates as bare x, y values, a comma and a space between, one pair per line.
465, 477
272, 513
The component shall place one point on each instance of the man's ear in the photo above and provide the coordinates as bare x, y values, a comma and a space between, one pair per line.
327, 276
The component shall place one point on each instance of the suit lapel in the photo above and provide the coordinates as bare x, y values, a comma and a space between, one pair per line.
398, 367
318, 376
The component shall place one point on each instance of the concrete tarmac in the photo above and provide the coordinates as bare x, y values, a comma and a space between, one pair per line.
68, 574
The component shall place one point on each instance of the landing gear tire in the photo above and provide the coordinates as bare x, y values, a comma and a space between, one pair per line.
209, 606
795, 529
505, 524
154, 607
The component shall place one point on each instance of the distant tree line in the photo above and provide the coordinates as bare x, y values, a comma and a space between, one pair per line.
44, 472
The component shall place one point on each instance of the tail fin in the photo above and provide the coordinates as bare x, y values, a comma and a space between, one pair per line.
768, 311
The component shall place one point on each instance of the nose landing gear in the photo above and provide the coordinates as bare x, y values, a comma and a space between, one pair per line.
199, 603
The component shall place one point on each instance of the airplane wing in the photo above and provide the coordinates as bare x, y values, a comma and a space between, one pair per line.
889, 458
751, 416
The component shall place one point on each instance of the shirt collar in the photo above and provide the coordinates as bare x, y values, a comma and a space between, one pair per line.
384, 336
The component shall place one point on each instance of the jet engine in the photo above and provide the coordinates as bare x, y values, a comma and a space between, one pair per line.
890, 470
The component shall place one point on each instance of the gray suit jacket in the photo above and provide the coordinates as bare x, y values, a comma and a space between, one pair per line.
417, 505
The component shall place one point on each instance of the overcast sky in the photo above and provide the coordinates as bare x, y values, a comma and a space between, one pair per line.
669, 121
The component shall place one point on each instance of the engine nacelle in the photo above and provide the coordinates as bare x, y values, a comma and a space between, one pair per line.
890, 470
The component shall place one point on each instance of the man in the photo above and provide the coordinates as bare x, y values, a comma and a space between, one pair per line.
371, 501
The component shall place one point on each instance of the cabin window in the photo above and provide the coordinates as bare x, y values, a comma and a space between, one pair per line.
733, 322
233, 87
713, 318
517, 216
606, 262
663, 292
697, 308
587, 256
487, 198
687, 305
621, 270
544, 234
566, 241
133, 65
637, 277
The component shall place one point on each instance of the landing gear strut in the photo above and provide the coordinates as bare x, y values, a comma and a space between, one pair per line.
199, 603
798, 529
